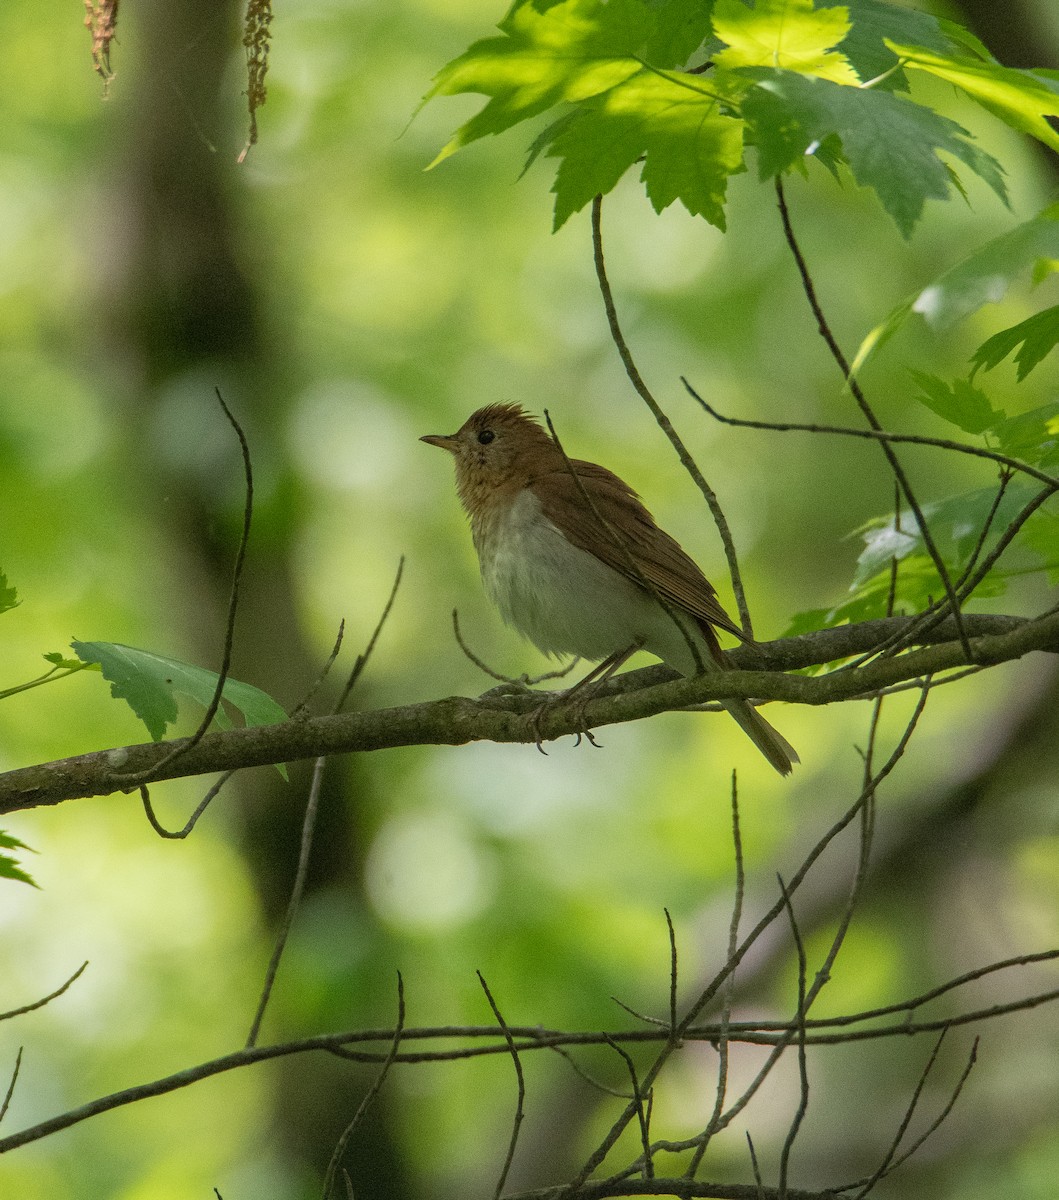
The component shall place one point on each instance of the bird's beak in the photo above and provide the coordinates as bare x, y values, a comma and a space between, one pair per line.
445, 441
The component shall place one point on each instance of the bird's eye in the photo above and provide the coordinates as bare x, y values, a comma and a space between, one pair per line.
486, 436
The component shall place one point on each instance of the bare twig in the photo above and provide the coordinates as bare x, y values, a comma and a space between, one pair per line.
727, 992
300, 875
879, 435
869, 415
906, 1120
754, 1164
972, 1058
192, 821
27, 1008
519, 1112
11, 1085
672, 972
369, 1096
303, 705
311, 808
486, 669
648, 1167
803, 1072
185, 745
365, 654
664, 422
527, 1038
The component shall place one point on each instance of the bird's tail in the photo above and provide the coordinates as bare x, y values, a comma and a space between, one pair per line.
772, 744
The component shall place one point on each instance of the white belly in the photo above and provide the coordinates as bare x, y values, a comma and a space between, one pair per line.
565, 600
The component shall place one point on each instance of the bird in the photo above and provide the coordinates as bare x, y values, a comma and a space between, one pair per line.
574, 561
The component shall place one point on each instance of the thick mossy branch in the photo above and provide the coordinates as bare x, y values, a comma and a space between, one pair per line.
511, 715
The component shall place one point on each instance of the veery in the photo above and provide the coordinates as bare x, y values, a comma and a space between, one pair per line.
578, 565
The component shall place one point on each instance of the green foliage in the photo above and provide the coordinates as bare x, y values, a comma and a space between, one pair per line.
960, 403
791, 79
1031, 340
9, 868
982, 278
150, 683
956, 524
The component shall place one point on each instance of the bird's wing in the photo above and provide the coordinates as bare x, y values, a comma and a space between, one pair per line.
657, 557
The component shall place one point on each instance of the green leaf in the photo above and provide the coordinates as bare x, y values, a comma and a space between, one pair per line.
681, 26
960, 403
1021, 99
8, 595
567, 53
873, 22
9, 867
788, 34
673, 120
955, 525
61, 662
892, 145
149, 683
1031, 436
1035, 337
982, 278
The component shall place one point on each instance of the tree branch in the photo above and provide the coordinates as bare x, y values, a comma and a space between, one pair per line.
500, 716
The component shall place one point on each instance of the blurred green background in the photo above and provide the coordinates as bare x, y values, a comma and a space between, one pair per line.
346, 302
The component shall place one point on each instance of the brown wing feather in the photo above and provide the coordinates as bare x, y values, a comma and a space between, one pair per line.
658, 557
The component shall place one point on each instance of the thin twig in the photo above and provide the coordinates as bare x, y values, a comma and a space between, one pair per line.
309, 820
754, 1164
707, 994
878, 435
906, 1120
27, 1008
648, 1167
303, 705
130, 781
803, 1073
365, 654
943, 1115
369, 1096
672, 972
301, 874
727, 993
192, 821
529, 1038
664, 423
519, 1112
869, 415
486, 669
11, 1086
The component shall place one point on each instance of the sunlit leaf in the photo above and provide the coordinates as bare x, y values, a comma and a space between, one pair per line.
569, 52
1021, 99
674, 122
789, 34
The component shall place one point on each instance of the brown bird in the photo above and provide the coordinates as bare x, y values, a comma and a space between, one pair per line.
578, 565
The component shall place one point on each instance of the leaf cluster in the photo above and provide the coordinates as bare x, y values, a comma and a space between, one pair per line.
684, 88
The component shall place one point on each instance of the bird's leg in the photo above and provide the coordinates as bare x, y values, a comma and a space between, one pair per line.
582, 692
